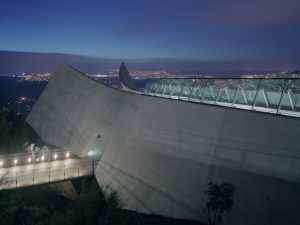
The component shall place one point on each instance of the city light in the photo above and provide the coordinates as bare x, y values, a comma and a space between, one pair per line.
55, 156
67, 155
29, 160
15, 161
42, 158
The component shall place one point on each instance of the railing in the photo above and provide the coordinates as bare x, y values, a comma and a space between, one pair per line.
28, 173
10, 160
277, 96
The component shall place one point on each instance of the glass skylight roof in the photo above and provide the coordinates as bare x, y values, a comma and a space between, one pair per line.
279, 96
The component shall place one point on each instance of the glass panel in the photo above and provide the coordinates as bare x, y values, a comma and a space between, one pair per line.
268, 95
244, 97
290, 102
161, 87
211, 91
186, 89
168, 88
227, 92
147, 87
153, 88
198, 89
176, 88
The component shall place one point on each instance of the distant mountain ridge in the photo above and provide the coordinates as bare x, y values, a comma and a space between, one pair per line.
19, 62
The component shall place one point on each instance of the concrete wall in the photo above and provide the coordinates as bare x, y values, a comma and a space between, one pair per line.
160, 154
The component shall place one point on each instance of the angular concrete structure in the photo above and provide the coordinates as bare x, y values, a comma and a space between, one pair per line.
126, 81
160, 154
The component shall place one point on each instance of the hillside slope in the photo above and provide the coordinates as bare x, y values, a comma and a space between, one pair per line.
15, 132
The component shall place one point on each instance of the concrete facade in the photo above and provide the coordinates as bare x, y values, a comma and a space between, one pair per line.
160, 154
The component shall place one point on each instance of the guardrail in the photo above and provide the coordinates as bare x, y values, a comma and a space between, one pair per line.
45, 172
11, 160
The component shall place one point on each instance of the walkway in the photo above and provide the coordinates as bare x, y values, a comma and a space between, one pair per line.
20, 170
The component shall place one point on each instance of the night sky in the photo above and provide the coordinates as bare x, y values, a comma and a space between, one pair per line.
203, 30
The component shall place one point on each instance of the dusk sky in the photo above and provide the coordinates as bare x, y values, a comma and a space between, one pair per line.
204, 30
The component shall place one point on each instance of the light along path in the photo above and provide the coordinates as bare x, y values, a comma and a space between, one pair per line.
44, 172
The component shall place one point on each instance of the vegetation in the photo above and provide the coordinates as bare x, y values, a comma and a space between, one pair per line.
5, 128
41, 205
220, 200
15, 132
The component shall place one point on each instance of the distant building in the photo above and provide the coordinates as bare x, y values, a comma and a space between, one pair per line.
159, 149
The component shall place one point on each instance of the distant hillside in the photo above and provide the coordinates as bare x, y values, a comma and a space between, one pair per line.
14, 132
19, 62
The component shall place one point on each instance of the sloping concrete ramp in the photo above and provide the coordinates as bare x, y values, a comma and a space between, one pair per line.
160, 154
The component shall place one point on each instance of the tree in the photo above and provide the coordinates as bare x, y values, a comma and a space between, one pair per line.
5, 128
220, 200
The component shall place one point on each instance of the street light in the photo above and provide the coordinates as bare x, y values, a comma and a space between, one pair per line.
15, 161
67, 155
29, 160
1, 163
55, 156
42, 158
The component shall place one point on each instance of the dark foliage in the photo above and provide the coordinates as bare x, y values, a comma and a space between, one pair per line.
5, 128
14, 132
220, 200
41, 205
